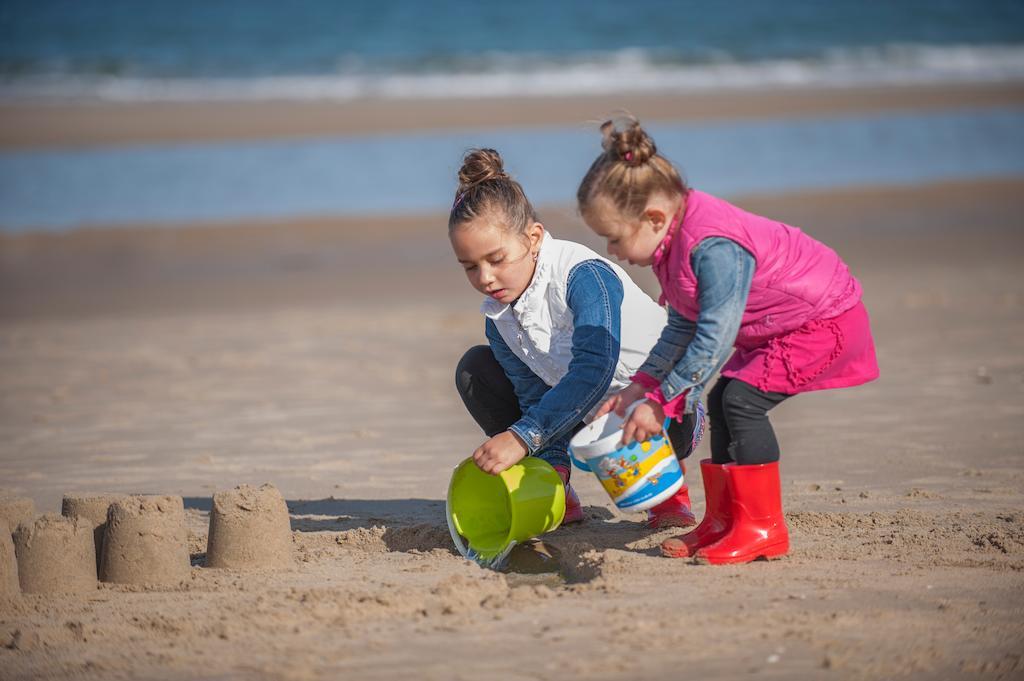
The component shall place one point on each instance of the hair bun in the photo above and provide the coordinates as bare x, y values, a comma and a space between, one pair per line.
627, 141
480, 165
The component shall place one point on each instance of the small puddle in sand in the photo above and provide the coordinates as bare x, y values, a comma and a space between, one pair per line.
534, 563
552, 580
531, 563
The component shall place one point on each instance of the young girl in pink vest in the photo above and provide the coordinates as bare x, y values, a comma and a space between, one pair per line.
786, 303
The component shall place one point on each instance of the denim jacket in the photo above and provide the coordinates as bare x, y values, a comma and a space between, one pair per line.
688, 353
594, 295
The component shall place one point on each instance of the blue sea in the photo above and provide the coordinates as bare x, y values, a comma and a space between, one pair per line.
122, 50
338, 49
414, 173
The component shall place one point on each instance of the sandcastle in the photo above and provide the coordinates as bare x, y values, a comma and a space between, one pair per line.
55, 555
140, 540
146, 542
9, 584
249, 528
16, 510
93, 508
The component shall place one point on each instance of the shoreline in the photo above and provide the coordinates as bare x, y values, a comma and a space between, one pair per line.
397, 224
25, 125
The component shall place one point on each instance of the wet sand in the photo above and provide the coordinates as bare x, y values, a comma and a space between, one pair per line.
91, 123
318, 356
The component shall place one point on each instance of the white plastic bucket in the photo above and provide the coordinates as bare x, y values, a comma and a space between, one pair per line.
638, 476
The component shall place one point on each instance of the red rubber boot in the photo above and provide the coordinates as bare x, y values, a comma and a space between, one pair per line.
573, 508
717, 518
673, 512
758, 526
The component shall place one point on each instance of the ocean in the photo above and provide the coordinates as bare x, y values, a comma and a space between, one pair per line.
60, 51
337, 50
59, 189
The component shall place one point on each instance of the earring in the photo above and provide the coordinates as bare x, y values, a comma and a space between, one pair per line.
535, 256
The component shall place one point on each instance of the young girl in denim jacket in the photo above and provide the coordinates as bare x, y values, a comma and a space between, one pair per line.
565, 327
786, 302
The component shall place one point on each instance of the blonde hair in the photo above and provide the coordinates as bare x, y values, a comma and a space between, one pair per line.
629, 170
484, 186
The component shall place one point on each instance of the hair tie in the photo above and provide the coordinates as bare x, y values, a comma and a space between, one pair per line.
628, 156
458, 199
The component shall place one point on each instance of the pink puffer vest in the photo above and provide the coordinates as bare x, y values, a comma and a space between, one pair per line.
797, 279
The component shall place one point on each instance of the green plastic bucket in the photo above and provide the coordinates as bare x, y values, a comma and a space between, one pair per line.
495, 512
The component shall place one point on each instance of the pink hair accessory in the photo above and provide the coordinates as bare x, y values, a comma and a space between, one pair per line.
458, 199
628, 157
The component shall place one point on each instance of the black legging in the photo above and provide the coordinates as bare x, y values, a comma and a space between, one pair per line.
740, 431
491, 399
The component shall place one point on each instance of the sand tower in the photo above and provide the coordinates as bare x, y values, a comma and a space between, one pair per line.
93, 508
55, 555
146, 542
8, 563
16, 510
249, 528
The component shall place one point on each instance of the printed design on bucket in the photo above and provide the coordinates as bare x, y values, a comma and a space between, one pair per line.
637, 476
699, 430
639, 472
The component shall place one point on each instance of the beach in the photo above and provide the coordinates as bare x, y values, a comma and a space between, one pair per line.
29, 124
226, 284
317, 354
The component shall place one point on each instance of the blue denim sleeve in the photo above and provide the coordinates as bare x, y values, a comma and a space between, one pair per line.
724, 272
594, 295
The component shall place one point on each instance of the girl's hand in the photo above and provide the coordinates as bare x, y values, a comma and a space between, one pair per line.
500, 452
622, 399
645, 421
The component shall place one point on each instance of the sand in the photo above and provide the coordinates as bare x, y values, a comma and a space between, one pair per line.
9, 584
322, 361
145, 542
90, 123
56, 555
16, 510
249, 528
93, 508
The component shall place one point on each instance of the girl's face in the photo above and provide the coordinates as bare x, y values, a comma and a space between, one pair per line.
498, 262
631, 239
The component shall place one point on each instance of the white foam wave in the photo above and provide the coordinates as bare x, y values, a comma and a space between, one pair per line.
623, 71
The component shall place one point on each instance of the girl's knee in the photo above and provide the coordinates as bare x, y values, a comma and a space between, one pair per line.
715, 399
739, 402
475, 362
